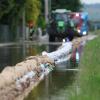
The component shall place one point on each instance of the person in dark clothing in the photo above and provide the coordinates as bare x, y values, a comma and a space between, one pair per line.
70, 34
31, 32
70, 30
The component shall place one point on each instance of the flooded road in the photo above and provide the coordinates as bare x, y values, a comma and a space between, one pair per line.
53, 87
10, 55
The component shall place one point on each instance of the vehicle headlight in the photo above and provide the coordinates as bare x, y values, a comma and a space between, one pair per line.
84, 33
64, 40
78, 31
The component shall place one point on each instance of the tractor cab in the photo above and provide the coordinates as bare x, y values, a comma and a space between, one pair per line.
58, 24
61, 19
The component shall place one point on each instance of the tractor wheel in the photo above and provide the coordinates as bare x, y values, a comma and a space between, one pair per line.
51, 38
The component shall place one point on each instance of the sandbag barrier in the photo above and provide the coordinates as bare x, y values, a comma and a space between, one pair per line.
16, 79
62, 54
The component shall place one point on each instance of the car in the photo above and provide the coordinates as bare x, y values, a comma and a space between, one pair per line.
80, 20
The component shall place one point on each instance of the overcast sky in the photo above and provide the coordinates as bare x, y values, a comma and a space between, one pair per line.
90, 1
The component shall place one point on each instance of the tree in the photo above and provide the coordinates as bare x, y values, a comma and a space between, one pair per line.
32, 8
5, 6
12, 9
73, 5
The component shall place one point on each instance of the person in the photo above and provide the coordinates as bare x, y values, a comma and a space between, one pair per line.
31, 32
31, 29
70, 30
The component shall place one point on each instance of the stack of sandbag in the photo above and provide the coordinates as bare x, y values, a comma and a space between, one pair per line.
7, 77
61, 54
17, 78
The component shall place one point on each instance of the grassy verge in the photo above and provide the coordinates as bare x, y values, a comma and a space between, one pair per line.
89, 76
97, 32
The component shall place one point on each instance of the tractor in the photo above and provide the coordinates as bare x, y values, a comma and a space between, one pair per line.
59, 25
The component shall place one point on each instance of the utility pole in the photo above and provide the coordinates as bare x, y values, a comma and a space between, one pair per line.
23, 25
46, 11
23, 32
49, 6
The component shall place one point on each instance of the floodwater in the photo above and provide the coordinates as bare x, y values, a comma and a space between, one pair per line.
12, 54
54, 87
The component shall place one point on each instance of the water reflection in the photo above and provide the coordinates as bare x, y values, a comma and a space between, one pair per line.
53, 87
10, 55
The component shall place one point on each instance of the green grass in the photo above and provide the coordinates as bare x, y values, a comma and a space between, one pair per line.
89, 76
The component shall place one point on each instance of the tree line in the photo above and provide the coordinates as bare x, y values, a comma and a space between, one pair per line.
11, 11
